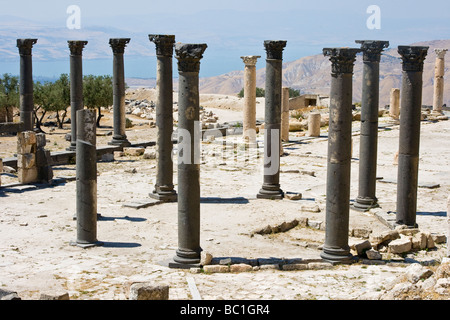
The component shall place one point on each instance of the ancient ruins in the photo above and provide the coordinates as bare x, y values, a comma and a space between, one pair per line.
184, 145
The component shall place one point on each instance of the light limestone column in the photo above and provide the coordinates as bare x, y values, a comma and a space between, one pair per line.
394, 106
314, 124
285, 114
438, 98
249, 130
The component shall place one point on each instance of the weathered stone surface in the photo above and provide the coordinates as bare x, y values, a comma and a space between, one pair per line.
26, 142
214, 268
148, 291
149, 154
319, 265
400, 245
430, 241
293, 196
360, 233
241, 267
295, 266
310, 208
438, 238
319, 225
134, 151
383, 238
361, 246
205, 258
373, 254
416, 272
8, 295
54, 296
419, 241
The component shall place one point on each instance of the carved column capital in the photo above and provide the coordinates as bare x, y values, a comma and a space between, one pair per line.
189, 56
413, 57
164, 44
372, 49
275, 48
25, 46
118, 44
342, 59
440, 53
250, 61
76, 46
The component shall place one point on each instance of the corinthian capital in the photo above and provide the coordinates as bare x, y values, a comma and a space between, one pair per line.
440, 53
118, 44
250, 60
25, 46
164, 44
372, 49
76, 46
275, 48
413, 57
342, 59
189, 56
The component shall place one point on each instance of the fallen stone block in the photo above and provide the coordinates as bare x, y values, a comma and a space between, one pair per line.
241, 267
216, 268
439, 238
419, 241
134, 151
416, 272
54, 296
400, 245
148, 291
149, 154
319, 265
295, 266
360, 233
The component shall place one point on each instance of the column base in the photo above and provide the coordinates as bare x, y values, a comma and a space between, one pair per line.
336, 255
165, 196
119, 142
364, 204
72, 147
185, 259
401, 224
86, 244
271, 192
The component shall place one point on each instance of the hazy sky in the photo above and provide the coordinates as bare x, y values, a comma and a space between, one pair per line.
233, 28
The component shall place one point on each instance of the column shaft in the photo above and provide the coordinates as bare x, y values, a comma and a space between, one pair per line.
26, 83
369, 124
119, 119
86, 166
409, 140
76, 87
272, 127
336, 247
439, 69
189, 140
249, 123
164, 188
285, 114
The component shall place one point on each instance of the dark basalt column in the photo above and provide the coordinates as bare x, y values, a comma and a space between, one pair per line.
76, 87
86, 193
164, 189
408, 157
118, 47
336, 248
189, 139
369, 124
272, 127
26, 83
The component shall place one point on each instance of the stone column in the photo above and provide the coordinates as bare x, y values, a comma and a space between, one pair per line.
118, 47
271, 185
439, 69
86, 192
164, 189
394, 105
26, 83
76, 87
189, 140
336, 248
408, 158
285, 114
448, 227
1, 170
314, 124
249, 123
369, 124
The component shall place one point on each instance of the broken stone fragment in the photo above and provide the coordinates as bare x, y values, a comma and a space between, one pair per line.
148, 291
401, 245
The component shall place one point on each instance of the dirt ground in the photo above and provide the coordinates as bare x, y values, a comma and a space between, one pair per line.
37, 225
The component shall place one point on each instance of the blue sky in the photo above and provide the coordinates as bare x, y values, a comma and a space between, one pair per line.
232, 28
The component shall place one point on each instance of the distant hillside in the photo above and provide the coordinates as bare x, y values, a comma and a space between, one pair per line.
312, 75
